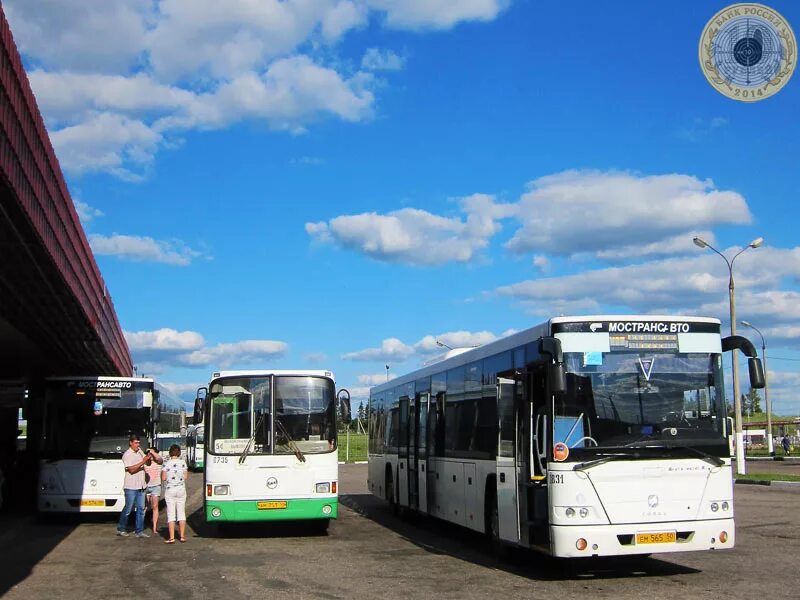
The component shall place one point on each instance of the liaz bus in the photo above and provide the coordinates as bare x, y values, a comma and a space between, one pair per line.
271, 448
85, 423
581, 436
195, 443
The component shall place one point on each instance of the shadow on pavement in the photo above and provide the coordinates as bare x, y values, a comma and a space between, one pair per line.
24, 541
291, 529
439, 537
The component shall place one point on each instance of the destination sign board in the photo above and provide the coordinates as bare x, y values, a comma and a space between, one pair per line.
625, 327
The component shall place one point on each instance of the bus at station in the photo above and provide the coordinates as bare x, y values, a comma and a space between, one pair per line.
271, 453
581, 436
195, 444
84, 425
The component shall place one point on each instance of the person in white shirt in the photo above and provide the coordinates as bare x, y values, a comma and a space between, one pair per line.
134, 486
174, 475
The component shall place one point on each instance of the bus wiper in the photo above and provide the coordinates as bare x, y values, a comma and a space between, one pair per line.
289, 441
252, 439
710, 459
585, 466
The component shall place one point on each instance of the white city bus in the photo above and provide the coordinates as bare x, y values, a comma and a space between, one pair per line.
195, 444
582, 436
271, 452
85, 423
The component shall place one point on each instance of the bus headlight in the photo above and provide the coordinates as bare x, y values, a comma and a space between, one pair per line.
570, 512
216, 512
714, 507
51, 485
584, 512
222, 490
324, 488
726, 506
326, 510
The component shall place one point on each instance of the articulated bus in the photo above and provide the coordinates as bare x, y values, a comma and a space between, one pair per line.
582, 436
85, 424
271, 452
195, 443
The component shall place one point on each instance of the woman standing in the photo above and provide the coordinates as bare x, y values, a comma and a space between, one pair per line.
174, 476
152, 471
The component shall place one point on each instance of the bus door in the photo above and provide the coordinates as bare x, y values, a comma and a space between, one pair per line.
537, 446
421, 452
404, 463
506, 469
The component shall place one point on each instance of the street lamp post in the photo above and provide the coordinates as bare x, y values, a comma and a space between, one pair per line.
766, 386
737, 400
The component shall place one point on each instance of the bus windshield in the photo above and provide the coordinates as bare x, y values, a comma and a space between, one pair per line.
636, 400
82, 426
245, 416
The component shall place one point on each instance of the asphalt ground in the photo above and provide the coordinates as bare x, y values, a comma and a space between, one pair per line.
370, 553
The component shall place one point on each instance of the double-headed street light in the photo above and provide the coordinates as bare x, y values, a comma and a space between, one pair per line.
766, 386
737, 401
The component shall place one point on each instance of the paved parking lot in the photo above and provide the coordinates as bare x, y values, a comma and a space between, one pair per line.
369, 553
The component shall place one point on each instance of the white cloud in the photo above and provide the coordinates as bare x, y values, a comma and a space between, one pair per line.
541, 262
391, 349
454, 339
677, 244
142, 249
615, 211
164, 339
415, 236
116, 78
90, 35
376, 59
85, 212
235, 354
105, 142
437, 14
374, 379
686, 284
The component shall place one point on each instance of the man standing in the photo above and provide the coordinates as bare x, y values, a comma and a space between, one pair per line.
135, 484
786, 444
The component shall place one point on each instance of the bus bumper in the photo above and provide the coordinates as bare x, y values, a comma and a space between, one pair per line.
65, 503
616, 540
248, 510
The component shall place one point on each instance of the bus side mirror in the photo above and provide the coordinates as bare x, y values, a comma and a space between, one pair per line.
199, 401
558, 378
156, 415
756, 372
197, 417
344, 406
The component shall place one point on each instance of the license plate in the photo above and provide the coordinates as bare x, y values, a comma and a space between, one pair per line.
657, 537
272, 504
93, 502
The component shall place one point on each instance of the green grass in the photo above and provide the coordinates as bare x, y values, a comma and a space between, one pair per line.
358, 447
769, 477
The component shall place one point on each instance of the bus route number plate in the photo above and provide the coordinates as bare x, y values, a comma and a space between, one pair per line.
93, 503
656, 537
271, 504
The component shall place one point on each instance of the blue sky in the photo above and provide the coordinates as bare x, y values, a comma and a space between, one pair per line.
336, 183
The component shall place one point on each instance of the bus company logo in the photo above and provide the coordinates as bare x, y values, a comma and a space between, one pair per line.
647, 327
748, 52
103, 385
272, 483
652, 501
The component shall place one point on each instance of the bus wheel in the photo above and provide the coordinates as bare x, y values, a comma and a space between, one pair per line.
390, 493
492, 526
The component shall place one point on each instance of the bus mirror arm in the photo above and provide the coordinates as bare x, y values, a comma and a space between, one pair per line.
557, 374
738, 342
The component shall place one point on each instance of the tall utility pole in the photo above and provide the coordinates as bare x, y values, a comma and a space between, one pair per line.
737, 398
